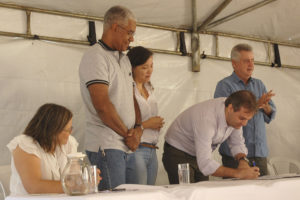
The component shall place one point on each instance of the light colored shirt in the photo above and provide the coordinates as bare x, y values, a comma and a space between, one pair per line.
52, 165
198, 131
255, 130
101, 65
148, 109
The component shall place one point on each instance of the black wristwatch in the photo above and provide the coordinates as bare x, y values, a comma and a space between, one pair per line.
139, 125
245, 159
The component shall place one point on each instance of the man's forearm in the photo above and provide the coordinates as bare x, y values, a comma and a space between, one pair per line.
239, 156
242, 163
105, 109
226, 172
241, 173
138, 117
110, 117
267, 109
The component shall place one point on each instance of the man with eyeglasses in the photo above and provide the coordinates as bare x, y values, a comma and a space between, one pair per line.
107, 90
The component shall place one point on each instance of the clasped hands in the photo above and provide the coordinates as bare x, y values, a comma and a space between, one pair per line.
133, 138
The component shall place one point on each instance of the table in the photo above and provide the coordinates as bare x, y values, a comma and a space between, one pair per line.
275, 189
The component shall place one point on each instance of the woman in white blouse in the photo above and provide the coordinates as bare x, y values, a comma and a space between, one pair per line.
39, 155
143, 161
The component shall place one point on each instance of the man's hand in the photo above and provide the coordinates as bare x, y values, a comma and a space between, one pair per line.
133, 138
263, 102
248, 173
243, 164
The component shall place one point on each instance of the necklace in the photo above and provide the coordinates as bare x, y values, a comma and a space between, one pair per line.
143, 91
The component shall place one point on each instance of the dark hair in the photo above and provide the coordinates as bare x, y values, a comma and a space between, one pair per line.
138, 55
242, 98
47, 123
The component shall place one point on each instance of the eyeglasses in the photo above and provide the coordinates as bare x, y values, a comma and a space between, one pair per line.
129, 33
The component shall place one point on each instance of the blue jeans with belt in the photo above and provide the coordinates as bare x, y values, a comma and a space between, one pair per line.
143, 166
113, 164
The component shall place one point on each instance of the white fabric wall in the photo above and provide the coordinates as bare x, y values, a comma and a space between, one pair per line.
35, 72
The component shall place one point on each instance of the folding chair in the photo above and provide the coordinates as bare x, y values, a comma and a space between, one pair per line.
5, 171
2, 192
283, 165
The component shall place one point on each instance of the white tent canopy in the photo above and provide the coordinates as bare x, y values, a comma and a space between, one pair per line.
277, 20
34, 72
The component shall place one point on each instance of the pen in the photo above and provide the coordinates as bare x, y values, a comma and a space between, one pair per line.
118, 189
253, 163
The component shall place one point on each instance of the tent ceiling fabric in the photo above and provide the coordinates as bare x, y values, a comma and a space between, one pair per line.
276, 21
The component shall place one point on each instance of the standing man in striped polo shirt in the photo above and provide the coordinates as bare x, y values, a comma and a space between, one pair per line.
106, 85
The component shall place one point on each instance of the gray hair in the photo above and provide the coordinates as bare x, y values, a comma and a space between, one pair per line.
235, 52
117, 14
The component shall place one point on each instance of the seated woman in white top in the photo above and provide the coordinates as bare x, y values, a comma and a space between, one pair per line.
39, 155
144, 160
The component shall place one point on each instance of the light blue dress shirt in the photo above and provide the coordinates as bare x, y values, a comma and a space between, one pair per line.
255, 131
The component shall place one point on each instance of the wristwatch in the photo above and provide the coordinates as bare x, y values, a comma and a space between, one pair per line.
245, 159
140, 125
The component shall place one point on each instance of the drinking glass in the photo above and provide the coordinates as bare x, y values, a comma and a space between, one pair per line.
184, 173
93, 179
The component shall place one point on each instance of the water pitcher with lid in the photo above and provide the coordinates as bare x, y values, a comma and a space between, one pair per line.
75, 178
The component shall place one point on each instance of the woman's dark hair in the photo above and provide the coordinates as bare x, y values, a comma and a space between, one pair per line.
47, 123
242, 98
138, 55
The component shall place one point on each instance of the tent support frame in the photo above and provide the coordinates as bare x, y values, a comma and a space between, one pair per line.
195, 42
213, 15
29, 35
28, 14
239, 13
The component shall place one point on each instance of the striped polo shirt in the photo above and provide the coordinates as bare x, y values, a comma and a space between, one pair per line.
102, 65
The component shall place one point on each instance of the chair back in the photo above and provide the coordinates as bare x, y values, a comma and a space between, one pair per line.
5, 171
271, 169
282, 165
2, 192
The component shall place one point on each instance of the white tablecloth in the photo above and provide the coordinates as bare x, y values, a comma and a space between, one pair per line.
278, 189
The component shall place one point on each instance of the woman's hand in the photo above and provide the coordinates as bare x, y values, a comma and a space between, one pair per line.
155, 123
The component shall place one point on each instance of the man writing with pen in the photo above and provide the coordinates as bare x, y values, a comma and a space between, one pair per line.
198, 131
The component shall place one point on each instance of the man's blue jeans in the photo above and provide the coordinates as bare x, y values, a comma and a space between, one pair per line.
113, 166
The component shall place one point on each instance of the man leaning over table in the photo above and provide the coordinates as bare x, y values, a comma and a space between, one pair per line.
254, 132
197, 132
107, 90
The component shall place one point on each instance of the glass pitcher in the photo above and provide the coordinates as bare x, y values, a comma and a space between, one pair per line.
75, 178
